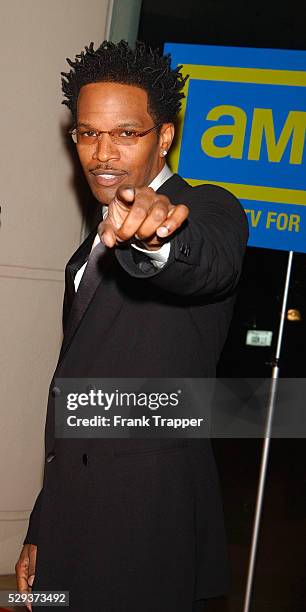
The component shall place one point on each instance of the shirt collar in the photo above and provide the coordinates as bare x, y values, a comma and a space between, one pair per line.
161, 178
157, 182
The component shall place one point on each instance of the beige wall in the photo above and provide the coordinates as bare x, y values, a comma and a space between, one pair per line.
40, 228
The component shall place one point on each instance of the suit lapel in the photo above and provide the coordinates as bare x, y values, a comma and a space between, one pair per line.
74, 264
173, 187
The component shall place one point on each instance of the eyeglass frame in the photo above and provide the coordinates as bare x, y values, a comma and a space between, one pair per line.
73, 132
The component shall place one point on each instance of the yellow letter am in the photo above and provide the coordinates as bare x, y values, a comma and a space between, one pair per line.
236, 130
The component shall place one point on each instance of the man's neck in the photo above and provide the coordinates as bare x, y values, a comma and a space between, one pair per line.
161, 177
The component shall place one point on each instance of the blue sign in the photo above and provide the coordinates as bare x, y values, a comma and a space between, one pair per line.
243, 126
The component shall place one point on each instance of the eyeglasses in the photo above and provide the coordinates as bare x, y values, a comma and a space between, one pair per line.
120, 136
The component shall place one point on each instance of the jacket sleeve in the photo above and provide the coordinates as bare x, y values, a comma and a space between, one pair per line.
206, 252
32, 533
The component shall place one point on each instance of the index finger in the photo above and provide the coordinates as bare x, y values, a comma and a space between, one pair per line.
125, 194
137, 214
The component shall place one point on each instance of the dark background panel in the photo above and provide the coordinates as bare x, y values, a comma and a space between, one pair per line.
281, 561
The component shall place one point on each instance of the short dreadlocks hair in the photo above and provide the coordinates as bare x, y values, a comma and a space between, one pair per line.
118, 63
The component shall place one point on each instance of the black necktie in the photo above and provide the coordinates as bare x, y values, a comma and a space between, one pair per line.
89, 283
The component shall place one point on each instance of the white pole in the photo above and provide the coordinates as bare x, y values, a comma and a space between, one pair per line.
266, 444
109, 19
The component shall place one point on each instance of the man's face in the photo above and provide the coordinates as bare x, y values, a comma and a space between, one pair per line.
105, 106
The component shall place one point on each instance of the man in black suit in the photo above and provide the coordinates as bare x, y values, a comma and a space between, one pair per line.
136, 525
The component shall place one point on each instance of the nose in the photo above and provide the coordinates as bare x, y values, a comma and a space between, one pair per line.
105, 149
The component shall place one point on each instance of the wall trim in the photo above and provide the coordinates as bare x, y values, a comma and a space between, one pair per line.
28, 273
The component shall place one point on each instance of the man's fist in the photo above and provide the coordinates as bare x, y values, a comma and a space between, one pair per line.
25, 569
143, 214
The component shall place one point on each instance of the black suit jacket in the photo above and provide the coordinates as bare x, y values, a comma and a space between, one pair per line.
144, 322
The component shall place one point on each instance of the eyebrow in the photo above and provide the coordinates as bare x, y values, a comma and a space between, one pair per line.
125, 124
130, 124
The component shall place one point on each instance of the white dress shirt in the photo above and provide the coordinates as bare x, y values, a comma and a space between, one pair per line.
158, 257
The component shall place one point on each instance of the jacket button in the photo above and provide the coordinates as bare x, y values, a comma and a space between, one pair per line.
146, 266
55, 391
50, 457
185, 249
85, 459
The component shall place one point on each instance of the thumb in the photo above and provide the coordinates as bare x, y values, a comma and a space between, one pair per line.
125, 194
32, 565
31, 580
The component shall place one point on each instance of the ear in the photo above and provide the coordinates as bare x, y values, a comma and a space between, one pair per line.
165, 138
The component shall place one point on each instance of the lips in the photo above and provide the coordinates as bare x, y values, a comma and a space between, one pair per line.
107, 178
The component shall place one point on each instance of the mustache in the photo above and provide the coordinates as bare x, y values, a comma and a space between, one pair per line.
106, 168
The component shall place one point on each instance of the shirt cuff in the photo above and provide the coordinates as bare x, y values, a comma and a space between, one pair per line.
158, 257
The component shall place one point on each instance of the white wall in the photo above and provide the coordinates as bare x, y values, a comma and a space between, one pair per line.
40, 228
